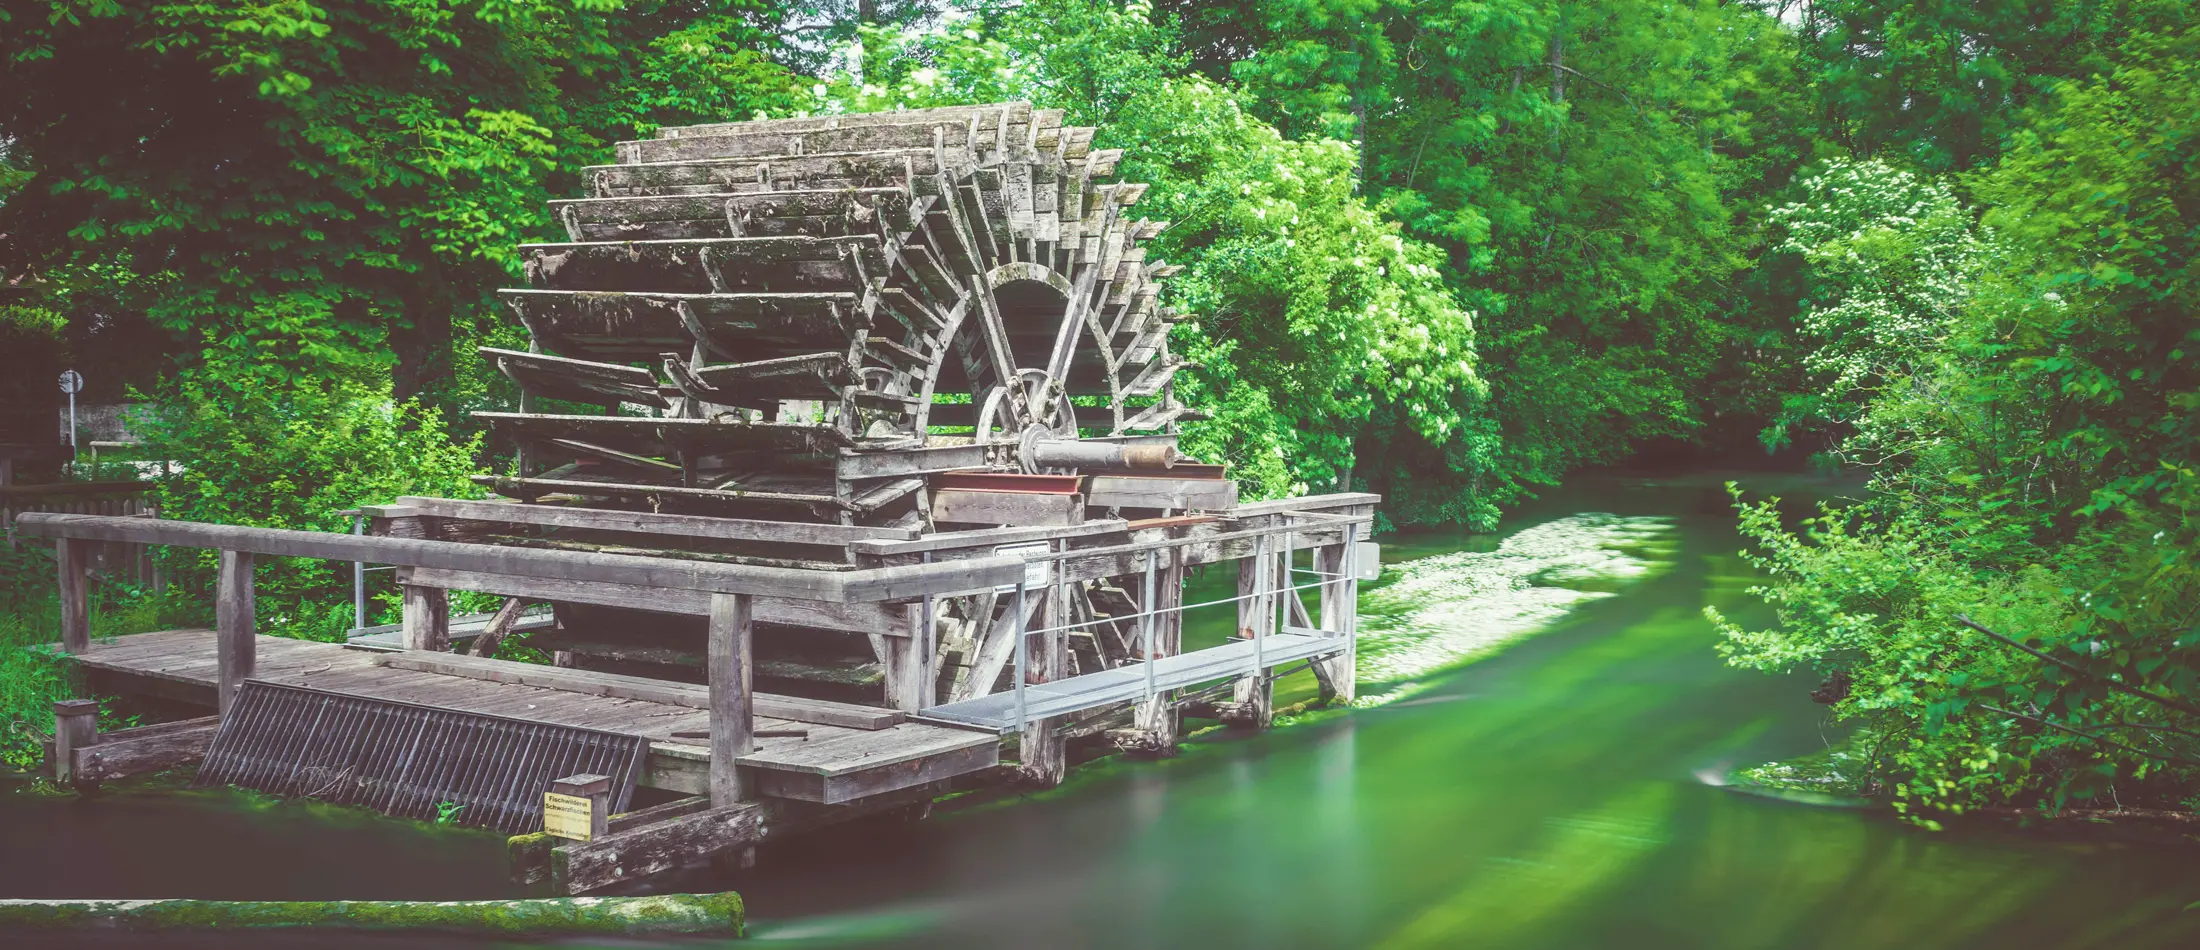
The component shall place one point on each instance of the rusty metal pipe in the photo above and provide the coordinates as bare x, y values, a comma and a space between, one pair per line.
1065, 453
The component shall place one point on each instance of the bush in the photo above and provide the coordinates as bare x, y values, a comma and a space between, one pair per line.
257, 448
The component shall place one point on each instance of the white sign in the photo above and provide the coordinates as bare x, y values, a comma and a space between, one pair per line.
71, 382
1037, 574
1367, 562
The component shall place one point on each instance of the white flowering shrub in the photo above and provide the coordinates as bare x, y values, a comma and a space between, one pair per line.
1894, 259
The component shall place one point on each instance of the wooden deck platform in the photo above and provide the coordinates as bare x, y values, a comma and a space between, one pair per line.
832, 764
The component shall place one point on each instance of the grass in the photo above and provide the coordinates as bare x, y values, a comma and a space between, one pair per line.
32, 677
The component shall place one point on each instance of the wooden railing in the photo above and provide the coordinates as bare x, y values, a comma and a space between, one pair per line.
125, 561
732, 590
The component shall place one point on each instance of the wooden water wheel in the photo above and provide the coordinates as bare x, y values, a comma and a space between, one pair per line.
811, 320
786, 318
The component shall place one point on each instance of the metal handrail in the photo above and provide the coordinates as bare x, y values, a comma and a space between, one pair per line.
1348, 618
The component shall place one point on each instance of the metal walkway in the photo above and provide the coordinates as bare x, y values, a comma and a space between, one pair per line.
1078, 693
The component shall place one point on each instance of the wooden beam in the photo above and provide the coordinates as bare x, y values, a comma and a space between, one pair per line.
732, 696
985, 539
642, 522
849, 618
1256, 581
73, 558
580, 867
885, 583
1140, 491
958, 506
427, 618
75, 728
499, 627
145, 749
908, 663
1336, 674
234, 626
821, 712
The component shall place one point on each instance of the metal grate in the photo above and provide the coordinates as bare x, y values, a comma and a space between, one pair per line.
405, 759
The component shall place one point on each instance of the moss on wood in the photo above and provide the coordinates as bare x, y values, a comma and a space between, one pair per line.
670, 913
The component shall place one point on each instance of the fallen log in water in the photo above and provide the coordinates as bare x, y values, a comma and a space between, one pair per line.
669, 913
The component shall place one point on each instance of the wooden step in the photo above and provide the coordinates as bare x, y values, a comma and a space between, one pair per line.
988, 116
729, 176
618, 326
613, 487
764, 214
807, 376
652, 436
559, 377
708, 265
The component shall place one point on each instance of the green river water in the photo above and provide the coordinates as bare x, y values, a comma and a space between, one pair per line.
1567, 789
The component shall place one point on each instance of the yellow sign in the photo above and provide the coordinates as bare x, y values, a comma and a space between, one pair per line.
567, 816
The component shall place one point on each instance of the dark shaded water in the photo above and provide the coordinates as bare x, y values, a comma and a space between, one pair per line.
1561, 793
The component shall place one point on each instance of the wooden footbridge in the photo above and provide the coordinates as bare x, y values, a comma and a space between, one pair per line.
847, 466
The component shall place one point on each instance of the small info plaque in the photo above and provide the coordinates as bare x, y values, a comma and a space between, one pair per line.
566, 816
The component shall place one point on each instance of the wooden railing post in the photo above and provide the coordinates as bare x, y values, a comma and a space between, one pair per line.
233, 625
1334, 674
1160, 719
427, 618
909, 670
75, 726
72, 556
1256, 618
732, 695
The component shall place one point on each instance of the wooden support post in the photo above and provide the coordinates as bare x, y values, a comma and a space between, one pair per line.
908, 663
1042, 752
73, 556
732, 696
596, 789
1160, 722
233, 625
75, 726
1334, 674
427, 618
500, 626
1256, 617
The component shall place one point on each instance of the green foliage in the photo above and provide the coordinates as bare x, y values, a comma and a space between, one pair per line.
31, 678
1591, 171
376, 161
1943, 85
257, 448
1315, 319
2033, 424
1894, 260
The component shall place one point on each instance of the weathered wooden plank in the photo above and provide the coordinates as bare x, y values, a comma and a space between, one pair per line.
127, 752
678, 808
843, 587
985, 539
878, 780
731, 669
499, 627
1021, 509
580, 867
233, 625
1140, 491
642, 688
560, 377
848, 618
644, 522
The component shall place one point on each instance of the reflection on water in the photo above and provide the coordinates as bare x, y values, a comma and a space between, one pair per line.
1559, 793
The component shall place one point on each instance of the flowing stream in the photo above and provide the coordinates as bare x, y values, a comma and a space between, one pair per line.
1537, 760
